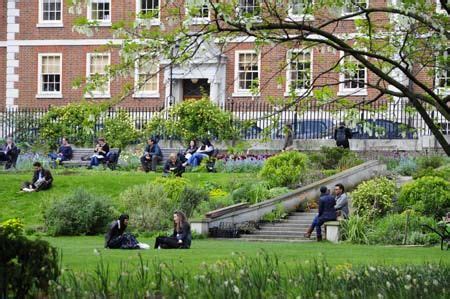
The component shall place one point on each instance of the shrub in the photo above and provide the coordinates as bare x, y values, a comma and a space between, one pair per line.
275, 215
173, 186
405, 228
241, 165
149, 207
406, 167
285, 170
354, 229
442, 172
251, 192
190, 198
78, 213
119, 130
430, 161
25, 264
373, 198
428, 195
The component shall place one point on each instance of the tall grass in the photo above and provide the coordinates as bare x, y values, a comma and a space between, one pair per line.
261, 276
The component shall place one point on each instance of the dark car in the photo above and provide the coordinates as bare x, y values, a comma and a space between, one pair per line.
308, 129
252, 132
383, 129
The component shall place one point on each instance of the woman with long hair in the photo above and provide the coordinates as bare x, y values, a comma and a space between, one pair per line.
116, 238
181, 237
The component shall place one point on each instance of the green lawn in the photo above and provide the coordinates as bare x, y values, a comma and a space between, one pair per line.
79, 253
28, 206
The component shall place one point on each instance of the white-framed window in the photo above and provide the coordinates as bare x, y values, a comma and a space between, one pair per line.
247, 75
146, 78
354, 6
352, 77
96, 64
198, 10
49, 75
443, 74
50, 13
300, 9
99, 11
249, 8
299, 71
150, 8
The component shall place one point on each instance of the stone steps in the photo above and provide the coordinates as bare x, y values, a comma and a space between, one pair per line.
291, 229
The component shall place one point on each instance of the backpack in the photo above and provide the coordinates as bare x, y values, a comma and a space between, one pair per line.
340, 135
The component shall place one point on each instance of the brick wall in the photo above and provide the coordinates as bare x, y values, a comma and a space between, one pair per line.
2, 77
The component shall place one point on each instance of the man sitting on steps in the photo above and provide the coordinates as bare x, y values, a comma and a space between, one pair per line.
326, 213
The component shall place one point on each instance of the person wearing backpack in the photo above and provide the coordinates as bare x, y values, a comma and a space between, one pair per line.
342, 134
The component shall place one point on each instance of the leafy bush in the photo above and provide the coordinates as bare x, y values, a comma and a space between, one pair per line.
430, 161
78, 213
355, 229
119, 130
405, 228
194, 119
406, 166
25, 264
173, 186
428, 195
277, 191
275, 215
190, 198
251, 192
373, 198
442, 172
285, 170
149, 207
334, 158
214, 203
76, 121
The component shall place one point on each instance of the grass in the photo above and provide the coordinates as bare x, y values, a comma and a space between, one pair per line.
28, 206
79, 253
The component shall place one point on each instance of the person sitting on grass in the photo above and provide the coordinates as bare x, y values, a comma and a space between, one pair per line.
206, 150
9, 153
181, 237
100, 152
42, 179
152, 155
116, 238
64, 152
173, 166
326, 213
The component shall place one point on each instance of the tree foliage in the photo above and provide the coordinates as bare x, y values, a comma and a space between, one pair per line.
396, 41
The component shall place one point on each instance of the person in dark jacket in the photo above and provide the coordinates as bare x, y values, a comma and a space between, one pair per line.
116, 238
9, 153
100, 152
181, 237
173, 165
342, 134
42, 179
152, 155
65, 152
190, 150
326, 213
289, 139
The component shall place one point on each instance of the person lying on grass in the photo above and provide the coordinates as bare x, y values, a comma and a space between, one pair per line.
181, 237
116, 238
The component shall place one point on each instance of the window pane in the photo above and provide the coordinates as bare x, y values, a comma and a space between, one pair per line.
51, 10
51, 73
247, 70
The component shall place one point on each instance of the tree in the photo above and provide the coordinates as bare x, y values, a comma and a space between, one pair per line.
399, 43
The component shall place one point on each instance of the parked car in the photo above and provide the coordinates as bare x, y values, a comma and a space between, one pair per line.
252, 132
383, 129
308, 129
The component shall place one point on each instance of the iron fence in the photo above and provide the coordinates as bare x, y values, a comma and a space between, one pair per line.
257, 120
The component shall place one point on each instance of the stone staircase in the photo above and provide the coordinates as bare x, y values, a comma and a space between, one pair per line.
287, 230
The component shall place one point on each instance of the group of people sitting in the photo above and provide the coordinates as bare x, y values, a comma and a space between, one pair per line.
181, 238
330, 208
177, 162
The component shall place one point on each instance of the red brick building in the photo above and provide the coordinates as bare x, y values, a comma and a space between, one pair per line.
40, 57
